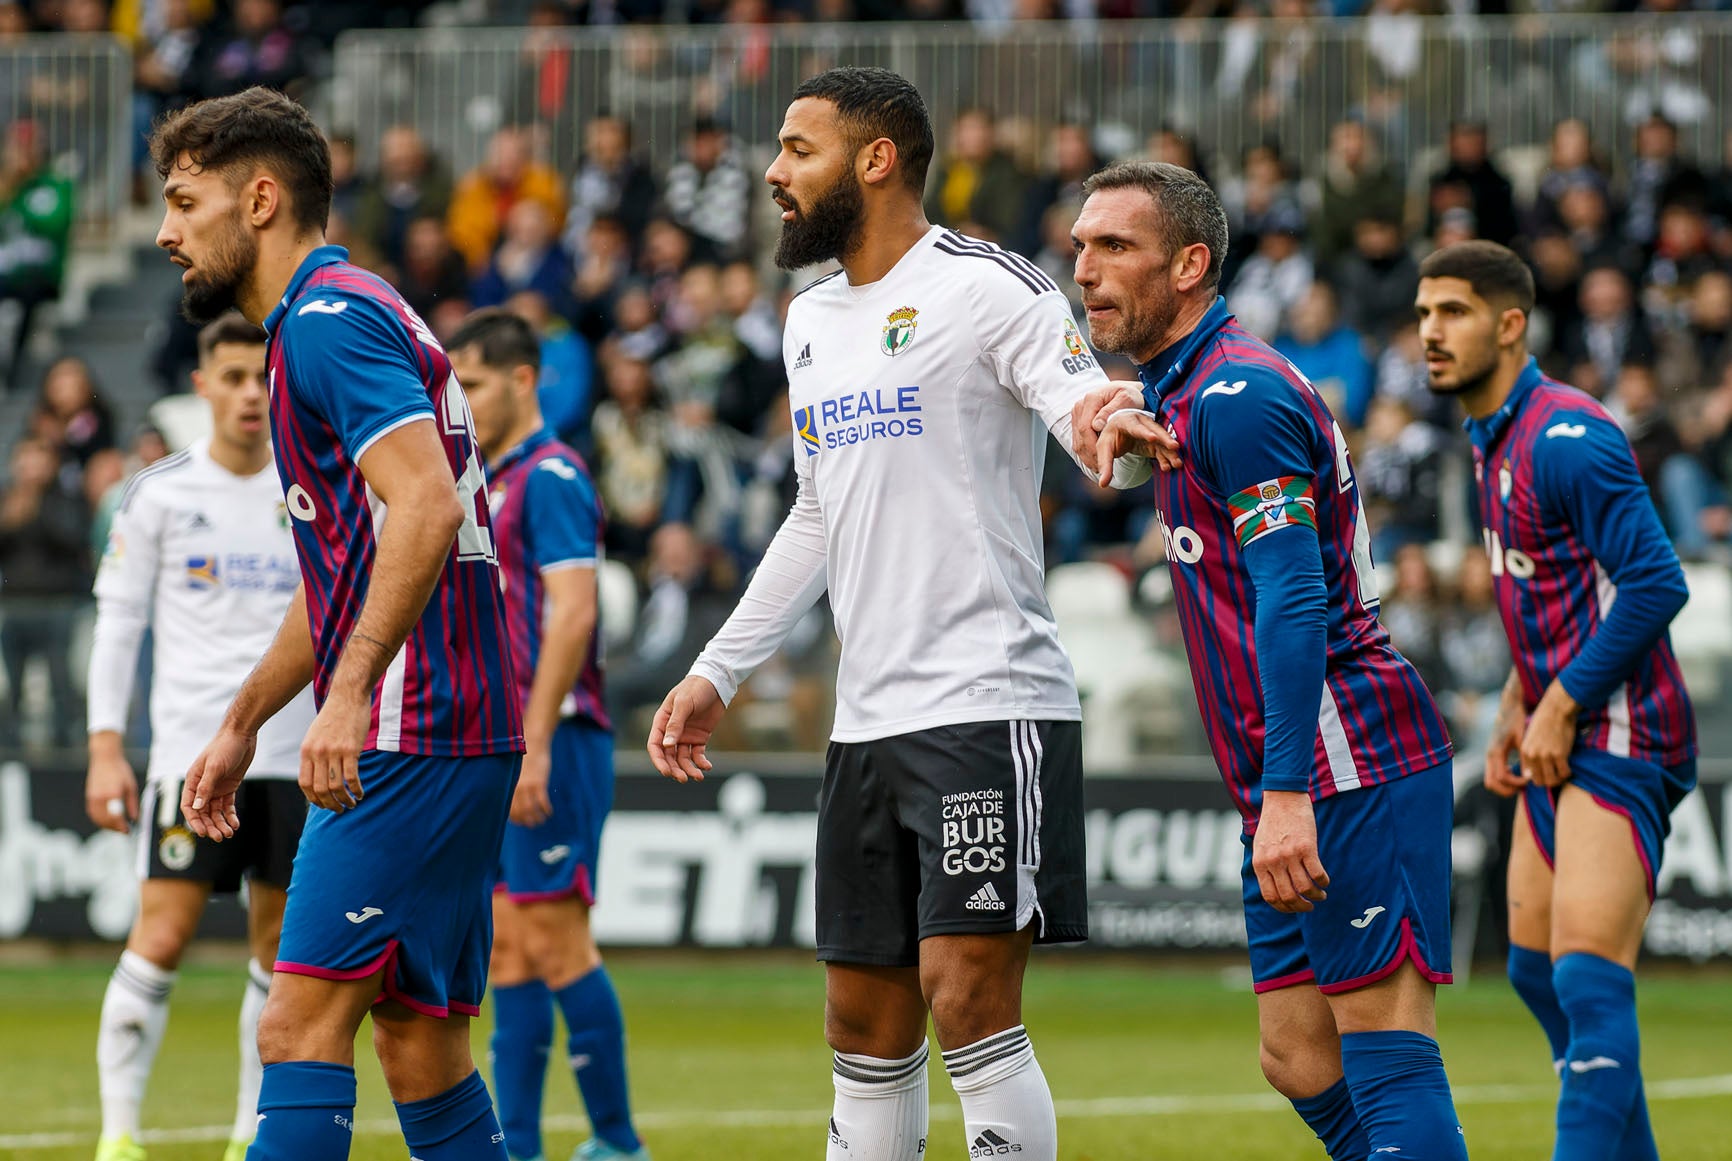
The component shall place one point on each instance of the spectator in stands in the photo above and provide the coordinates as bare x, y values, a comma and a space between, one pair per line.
1712, 435
609, 182
1702, 348
709, 193
1681, 256
1056, 255
1400, 476
1276, 276
1658, 176
1585, 213
631, 454
638, 328
1572, 164
1176, 147
432, 272
1637, 405
411, 183
978, 188
1073, 158
346, 180
1412, 612
1262, 193
1557, 298
667, 251
681, 610
45, 565
254, 48
1356, 185
1329, 353
164, 38
1471, 180
529, 257
1377, 280
81, 415
1454, 226
566, 387
36, 216
486, 194
1610, 333
1474, 650
756, 323
604, 265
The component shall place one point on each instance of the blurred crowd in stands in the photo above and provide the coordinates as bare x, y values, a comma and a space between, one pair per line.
644, 271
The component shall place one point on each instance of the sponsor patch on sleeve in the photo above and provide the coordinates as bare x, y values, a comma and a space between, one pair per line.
1283, 502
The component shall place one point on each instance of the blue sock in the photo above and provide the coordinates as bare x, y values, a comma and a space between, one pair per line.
1330, 1115
1530, 972
1638, 1143
522, 1038
1402, 1095
1602, 1071
456, 1125
306, 1112
592, 1015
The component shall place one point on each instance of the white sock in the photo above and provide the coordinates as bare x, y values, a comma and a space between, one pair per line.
880, 1111
1006, 1104
252, 1072
134, 1017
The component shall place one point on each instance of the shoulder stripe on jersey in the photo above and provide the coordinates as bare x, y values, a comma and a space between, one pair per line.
179, 459
1030, 275
817, 282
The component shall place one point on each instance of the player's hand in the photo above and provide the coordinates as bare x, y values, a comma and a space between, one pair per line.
111, 792
331, 753
1506, 739
1284, 852
1134, 433
683, 725
1090, 414
208, 799
1550, 736
530, 804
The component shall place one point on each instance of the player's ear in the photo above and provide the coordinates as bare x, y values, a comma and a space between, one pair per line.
198, 384
1190, 266
877, 161
1512, 327
263, 198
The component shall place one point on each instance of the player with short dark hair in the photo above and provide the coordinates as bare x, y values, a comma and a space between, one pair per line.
398, 623
924, 377
200, 553
1587, 582
547, 525
1331, 746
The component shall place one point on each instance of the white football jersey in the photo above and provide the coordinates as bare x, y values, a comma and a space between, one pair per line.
921, 407
206, 558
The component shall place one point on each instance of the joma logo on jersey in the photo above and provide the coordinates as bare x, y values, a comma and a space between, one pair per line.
1182, 544
859, 416
1512, 561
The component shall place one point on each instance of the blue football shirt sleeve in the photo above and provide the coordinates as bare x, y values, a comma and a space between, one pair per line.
1257, 443
357, 365
1584, 468
560, 516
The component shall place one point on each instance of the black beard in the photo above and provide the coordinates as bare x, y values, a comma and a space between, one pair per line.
827, 229
1467, 384
231, 260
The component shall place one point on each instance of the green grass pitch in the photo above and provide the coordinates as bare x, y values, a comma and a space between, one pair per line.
1145, 1060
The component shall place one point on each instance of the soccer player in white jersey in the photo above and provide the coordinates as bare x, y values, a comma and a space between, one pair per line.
201, 554
923, 377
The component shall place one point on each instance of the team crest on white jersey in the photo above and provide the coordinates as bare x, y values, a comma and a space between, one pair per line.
899, 330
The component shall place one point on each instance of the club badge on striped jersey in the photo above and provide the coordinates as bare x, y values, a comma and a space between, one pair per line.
899, 330
1273, 504
1505, 481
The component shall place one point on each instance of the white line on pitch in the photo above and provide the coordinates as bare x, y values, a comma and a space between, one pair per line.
1683, 1088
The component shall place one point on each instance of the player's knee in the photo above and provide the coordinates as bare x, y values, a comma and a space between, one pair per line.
966, 1012
1295, 1069
162, 940
280, 1033
884, 1032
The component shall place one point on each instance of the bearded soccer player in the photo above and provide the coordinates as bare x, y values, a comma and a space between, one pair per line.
548, 530
201, 554
924, 377
1587, 583
399, 623
1330, 744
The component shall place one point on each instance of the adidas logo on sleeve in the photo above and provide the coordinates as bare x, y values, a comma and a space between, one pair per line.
986, 899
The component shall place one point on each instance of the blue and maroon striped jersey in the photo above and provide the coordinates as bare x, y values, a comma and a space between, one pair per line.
349, 363
546, 517
1568, 522
1262, 454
